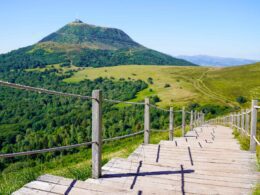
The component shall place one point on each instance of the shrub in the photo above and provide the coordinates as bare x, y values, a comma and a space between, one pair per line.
167, 85
241, 100
155, 99
150, 80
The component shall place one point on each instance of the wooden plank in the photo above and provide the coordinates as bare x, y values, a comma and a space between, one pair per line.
28, 191
218, 167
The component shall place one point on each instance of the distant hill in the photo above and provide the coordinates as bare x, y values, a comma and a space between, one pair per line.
86, 45
205, 60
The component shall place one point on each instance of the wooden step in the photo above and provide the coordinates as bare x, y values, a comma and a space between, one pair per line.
207, 161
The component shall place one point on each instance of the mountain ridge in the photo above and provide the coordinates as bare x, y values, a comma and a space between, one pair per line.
206, 60
86, 45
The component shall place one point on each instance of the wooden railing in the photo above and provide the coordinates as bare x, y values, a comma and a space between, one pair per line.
241, 121
196, 119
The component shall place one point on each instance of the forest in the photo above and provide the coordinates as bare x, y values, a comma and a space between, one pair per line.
31, 120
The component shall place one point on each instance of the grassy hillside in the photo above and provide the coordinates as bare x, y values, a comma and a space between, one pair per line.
186, 84
181, 89
235, 81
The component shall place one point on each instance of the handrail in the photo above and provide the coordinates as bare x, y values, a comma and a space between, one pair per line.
26, 153
122, 137
41, 90
196, 119
258, 143
243, 122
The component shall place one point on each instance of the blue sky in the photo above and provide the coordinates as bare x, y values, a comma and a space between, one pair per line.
228, 28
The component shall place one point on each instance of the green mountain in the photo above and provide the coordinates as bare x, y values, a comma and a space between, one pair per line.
86, 45
90, 36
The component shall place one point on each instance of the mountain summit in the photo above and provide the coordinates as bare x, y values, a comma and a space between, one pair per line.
86, 45
90, 36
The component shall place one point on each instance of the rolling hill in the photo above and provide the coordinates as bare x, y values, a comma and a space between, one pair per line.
86, 45
203, 85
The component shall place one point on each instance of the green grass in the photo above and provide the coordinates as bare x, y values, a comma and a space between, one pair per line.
235, 81
75, 166
204, 85
257, 190
181, 90
244, 142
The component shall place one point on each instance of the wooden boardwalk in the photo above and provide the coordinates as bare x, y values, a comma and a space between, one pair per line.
207, 161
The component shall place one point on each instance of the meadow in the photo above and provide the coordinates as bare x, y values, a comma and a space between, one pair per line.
183, 85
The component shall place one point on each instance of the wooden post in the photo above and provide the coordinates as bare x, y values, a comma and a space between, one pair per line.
231, 121
183, 121
253, 125
234, 120
191, 120
238, 121
147, 121
247, 121
96, 133
243, 120
195, 118
171, 124
200, 118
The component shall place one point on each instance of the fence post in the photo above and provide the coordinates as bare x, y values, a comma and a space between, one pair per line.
201, 119
183, 121
247, 121
195, 118
191, 120
147, 121
243, 121
96, 133
253, 125
234, 120
171, 124
231, 121
238, 122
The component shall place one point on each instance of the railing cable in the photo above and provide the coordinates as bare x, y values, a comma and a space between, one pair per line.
41, 90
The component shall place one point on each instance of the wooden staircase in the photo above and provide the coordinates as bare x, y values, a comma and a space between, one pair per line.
207, 160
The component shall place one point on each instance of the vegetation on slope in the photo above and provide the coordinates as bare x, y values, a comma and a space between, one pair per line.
86, 45
233, 82
203, 85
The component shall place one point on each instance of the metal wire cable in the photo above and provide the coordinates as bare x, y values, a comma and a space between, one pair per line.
258, 143
125, 102
9, 155
158, 108
122, 137
41, 90
158, 130
248, 112
52, 92
245, 132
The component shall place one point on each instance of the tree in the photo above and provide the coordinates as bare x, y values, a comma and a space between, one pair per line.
241, 99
